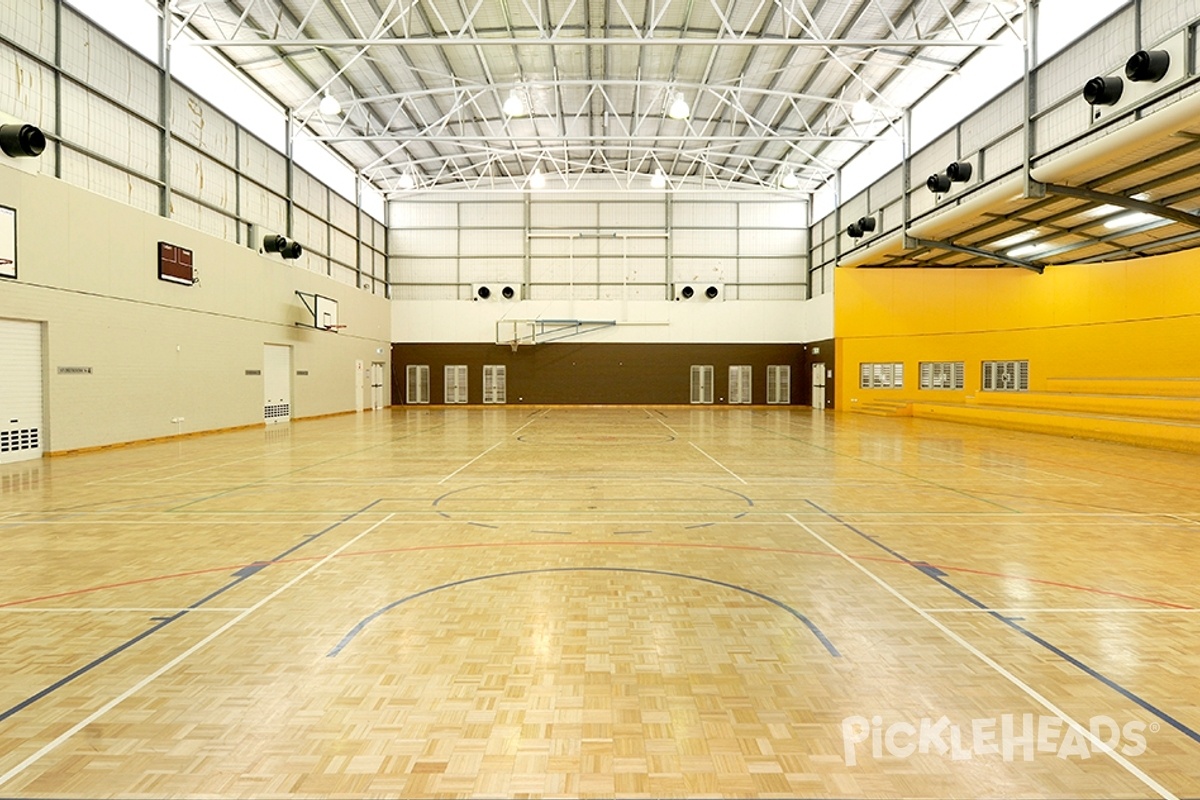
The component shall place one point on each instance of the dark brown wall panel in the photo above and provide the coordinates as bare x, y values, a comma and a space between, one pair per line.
597, 373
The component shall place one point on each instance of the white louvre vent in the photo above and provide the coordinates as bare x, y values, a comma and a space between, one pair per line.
277, 411
19, 439
1005, 376
740, 384
456, 383
942, 375
495, 388
881, 376
779, 384
702, 383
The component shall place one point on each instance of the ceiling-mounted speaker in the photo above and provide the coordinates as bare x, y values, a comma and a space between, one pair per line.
959, 171
866, 224
1103, 91
274, 243
1148, 65
22, 141
939, 183
855, 231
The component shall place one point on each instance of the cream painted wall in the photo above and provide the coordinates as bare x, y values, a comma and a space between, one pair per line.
158, 350
693, 321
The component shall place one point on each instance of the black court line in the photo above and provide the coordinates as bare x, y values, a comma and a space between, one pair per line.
939, 577
242, 575
367, 620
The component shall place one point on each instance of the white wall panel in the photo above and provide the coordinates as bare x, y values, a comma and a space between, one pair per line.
704, 269
1103, 50
198, 176
188, 212
633, 270
703, 215
311, 231
772, 242
264, 208
424, 270
342, 213
567, 216
200, 125
26, 89
30, 25
95, 124
107, 66
408, 215
999, 116
1161, 18
96, 176
492, 215
491, 270
704, 242
632, 215
579, 248
782, 214
263, 163
633, 246
424, 242
341, 248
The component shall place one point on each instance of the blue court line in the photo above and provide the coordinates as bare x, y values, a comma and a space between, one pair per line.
367, 620
931, 572
242, 575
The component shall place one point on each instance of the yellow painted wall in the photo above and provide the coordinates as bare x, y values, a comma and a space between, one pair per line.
1138, 318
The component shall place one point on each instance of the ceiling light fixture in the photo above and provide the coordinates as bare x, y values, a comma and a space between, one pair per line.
679, 108
658, 180
537, 180
514, 106
407, 181
1025, 250
329, 106
862, 110
789, 180
1132, 220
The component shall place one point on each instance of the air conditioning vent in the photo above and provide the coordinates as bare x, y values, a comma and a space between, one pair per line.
19, 439
277, 411
495, 291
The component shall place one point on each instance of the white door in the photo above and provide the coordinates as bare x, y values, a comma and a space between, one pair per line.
376, 384
495, 383
359, 379
740, 383
702, 383
416, 384
277, 383
818, 386
456, 383
20, 390
779, 384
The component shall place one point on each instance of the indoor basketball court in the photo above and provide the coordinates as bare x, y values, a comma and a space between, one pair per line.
597, 602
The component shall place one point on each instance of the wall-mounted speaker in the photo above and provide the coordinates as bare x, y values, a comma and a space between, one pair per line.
1148, 65
939, 183
1100, 91
22, 140
275, 243
959, 171
485, 291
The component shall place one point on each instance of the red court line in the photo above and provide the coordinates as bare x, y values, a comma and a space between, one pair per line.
748, 548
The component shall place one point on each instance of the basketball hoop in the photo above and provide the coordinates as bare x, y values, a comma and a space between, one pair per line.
334, 328
514, 344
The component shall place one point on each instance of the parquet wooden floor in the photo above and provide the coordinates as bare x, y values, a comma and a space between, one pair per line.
599, 602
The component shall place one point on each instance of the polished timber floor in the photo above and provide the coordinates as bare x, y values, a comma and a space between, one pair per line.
598, 602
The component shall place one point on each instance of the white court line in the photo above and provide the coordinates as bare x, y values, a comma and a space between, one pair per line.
1098, 744
1007, 611
660, 422
469, 463
493, 447
718, 463
137, 687
60, 610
